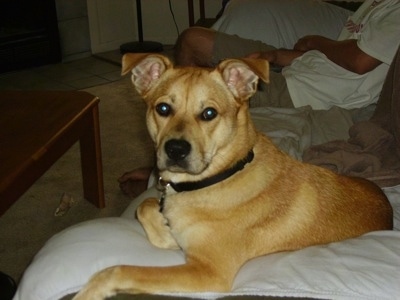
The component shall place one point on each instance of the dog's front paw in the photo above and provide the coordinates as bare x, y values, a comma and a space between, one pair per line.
149, 208
155, 225
99, 287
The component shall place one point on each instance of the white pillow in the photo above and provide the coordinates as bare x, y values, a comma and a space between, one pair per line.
281, 23
367, 267
67, 260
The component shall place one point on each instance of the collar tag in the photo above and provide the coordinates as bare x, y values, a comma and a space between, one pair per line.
162, 186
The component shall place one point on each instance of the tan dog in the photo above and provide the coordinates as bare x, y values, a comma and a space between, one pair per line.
230, 194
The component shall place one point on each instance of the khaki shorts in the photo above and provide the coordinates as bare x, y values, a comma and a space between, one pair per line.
273, 94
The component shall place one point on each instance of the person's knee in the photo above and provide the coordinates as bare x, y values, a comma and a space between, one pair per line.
185, 46
182, 46
188, 36
194, 46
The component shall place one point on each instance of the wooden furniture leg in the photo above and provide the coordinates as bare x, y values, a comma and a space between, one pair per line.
92, 168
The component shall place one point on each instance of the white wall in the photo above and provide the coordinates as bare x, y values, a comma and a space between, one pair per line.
73, 27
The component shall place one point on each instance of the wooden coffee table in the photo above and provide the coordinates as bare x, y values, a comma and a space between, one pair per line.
36, 129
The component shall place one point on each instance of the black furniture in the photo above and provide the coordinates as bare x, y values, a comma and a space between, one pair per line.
8, 287
29, 34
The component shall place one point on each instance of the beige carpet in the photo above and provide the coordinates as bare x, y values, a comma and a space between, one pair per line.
30, 222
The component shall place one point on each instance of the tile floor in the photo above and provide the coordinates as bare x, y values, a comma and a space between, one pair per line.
75, 75
98, 69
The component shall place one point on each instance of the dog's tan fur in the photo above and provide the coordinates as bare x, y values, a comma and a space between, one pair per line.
274, 204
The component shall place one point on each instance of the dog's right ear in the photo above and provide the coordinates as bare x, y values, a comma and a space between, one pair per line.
242, 75
146, 69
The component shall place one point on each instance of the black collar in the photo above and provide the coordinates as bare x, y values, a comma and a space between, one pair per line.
196, 185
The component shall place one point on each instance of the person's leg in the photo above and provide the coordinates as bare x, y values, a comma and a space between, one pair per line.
199, 46
272, 94
204, 47
194, 47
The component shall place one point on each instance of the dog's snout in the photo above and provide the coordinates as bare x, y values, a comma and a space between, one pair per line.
177, 149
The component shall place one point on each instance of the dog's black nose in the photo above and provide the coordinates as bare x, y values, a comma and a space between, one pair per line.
177, 149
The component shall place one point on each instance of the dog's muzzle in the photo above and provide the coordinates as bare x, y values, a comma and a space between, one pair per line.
177, 151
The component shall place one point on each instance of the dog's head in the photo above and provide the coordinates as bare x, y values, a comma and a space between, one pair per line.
198, 118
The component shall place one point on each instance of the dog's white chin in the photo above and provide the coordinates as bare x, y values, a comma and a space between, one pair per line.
188, 166
182, 170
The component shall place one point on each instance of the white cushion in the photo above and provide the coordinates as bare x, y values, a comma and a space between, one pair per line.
367, 267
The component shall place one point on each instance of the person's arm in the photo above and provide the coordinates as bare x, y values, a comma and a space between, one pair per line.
345, 53
279, 57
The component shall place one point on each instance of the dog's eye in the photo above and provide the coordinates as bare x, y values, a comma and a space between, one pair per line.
208, 114
163, 109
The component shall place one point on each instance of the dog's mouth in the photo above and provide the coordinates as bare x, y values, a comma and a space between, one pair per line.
177, 166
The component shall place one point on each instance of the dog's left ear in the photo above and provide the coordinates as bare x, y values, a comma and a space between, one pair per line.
242, 75
146, 69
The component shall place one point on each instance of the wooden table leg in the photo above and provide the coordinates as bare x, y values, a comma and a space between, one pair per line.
91, 160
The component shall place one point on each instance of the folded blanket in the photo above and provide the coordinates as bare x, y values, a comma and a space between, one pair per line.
373, 148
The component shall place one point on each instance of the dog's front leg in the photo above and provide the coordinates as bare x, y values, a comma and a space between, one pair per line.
99, 287
155, 225
190, 277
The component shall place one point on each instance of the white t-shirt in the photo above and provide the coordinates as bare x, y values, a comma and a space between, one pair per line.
314, 80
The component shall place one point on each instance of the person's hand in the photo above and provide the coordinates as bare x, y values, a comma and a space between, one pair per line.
305, 43
312, 42
278, 57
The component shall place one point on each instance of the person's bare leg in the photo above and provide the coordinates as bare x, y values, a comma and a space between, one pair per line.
194, 47
134, 182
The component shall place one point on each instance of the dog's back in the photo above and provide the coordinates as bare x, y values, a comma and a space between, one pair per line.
316, 206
